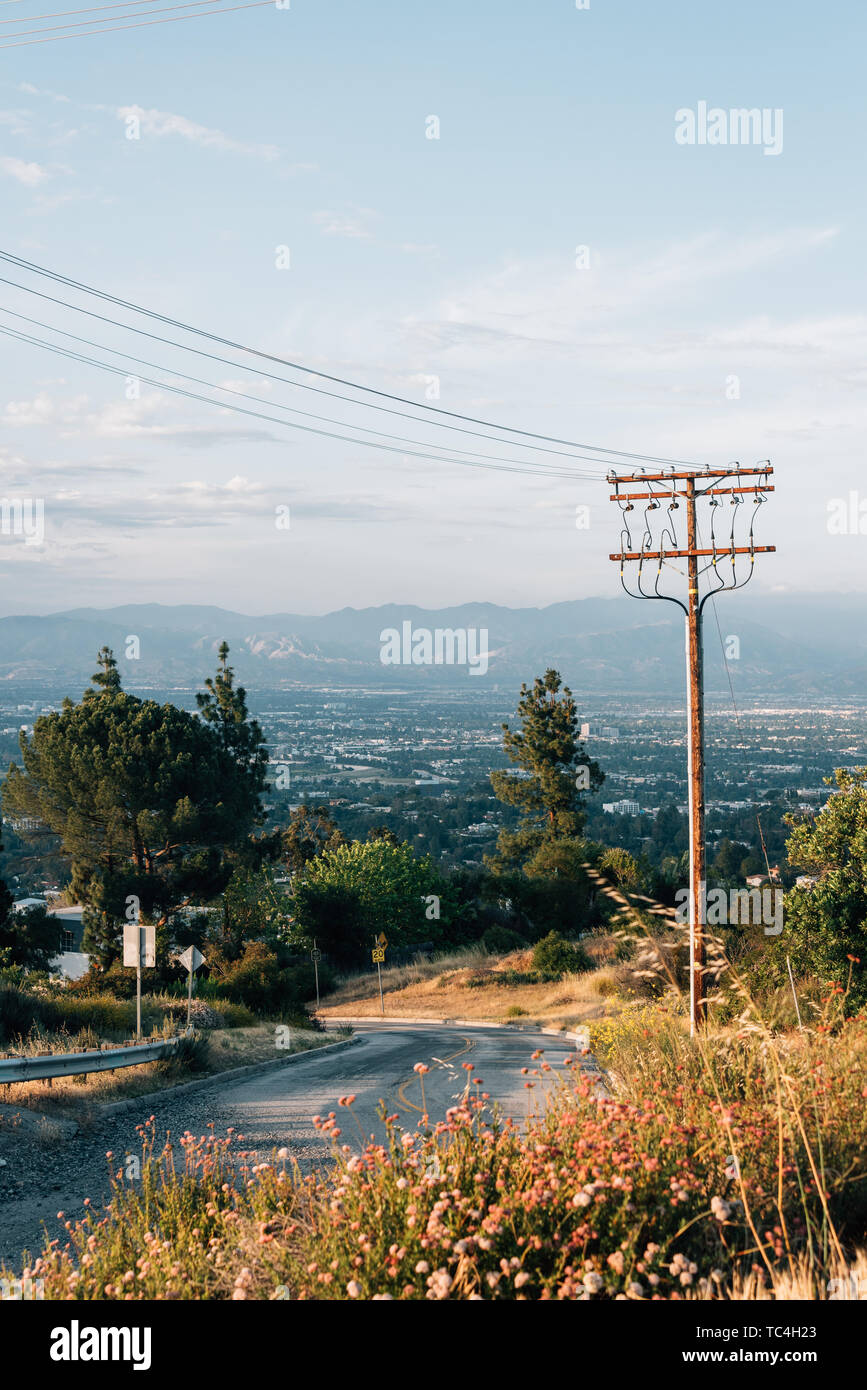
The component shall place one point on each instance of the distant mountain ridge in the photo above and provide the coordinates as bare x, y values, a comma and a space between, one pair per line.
806, 645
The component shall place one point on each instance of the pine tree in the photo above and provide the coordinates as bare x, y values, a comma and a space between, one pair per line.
149, 800
553, 772
223, 707
107, 678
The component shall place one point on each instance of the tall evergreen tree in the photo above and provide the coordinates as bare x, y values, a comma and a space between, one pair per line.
553, 772
107, 679
149, 800
223, 707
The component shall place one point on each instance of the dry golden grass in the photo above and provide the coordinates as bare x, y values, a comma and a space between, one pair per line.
440, 988
843, 1281
227, 1048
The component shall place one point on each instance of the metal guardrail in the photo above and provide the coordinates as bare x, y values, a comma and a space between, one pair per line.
15, 1069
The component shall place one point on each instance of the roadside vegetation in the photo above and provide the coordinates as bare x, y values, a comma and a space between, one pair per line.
726, 1166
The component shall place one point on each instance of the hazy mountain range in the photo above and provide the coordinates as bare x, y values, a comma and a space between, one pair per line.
798, 645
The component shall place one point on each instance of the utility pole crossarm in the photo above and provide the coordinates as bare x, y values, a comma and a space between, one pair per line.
734, 472
720, 551
681, 492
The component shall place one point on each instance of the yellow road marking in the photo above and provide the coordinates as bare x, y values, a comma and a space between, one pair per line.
410, 1105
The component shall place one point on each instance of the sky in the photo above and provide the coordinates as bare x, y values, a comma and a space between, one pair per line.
556, 260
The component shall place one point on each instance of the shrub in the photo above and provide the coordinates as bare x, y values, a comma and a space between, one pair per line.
233, 1015
23, 1013
19, 1012
261, 984
555, 956
190, 1055
620, 866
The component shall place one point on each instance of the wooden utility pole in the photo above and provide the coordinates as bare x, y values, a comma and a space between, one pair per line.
695, 768
666, 488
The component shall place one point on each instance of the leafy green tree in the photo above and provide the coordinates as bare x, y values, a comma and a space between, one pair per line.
670, 832
727, 863
148, 799
252, 910
825, 925
348, 895
553, 772
331, 914
561, 858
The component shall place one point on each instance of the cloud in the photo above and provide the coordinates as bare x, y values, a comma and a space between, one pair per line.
159, 123
150, 417
41, 410
16, 121
28, 173
355, 223
544, 303
235, 489
43, 92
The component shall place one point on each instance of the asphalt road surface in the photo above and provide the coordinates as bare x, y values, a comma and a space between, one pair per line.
380, 1067
276, 1109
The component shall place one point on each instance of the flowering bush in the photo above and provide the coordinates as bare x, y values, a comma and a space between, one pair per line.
732, 1161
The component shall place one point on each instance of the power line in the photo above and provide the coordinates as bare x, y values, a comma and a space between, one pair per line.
34, 268
140, 24
300, 385
539, 471
85, 23
244, 395
92, 9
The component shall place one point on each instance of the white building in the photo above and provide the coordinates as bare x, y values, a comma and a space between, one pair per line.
71, 962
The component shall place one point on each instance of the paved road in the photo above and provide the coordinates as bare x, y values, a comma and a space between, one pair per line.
278, 1106
275, 1109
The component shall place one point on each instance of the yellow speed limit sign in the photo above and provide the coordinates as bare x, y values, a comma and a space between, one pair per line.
378, 954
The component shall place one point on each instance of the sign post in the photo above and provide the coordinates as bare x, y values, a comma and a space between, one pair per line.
316, 956
378, 954
191, 958
139, 948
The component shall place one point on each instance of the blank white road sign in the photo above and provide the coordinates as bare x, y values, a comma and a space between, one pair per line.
139, 944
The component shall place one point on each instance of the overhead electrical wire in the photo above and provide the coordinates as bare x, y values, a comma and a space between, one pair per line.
91, 9
301, 385
244, 395
440, 457
34, 268
119, 28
